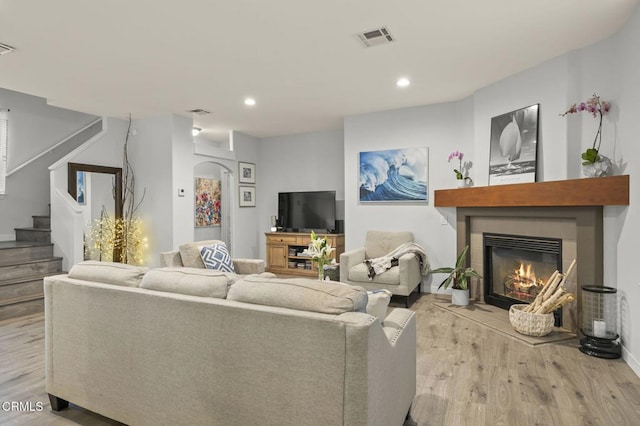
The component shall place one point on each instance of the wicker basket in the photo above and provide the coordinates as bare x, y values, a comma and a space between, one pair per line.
528, 323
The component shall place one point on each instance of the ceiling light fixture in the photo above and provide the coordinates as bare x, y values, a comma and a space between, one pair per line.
195, 131
403, 82
250, 102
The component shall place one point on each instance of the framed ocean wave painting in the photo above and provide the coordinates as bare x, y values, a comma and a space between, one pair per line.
394, 175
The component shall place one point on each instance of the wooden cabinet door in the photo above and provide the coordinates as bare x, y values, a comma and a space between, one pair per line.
277, 256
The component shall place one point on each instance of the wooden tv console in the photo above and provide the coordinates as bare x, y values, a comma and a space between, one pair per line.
284, 248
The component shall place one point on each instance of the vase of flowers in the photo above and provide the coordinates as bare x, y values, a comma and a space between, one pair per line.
462, 170
594, 164
319, 251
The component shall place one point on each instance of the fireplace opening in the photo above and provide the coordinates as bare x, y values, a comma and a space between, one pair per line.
516, 267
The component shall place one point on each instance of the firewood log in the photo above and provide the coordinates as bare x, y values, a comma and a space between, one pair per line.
550, 301
547, 285
570, 269
536, 302
553, 287
563, 300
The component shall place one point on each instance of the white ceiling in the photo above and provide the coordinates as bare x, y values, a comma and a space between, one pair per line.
299, 59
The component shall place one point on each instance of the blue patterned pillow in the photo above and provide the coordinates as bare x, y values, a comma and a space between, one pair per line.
217, 257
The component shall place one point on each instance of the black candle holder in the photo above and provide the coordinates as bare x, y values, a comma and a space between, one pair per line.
599, 320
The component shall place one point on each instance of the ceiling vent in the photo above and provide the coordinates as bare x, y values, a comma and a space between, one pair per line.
376, 37
199, 111
5, 49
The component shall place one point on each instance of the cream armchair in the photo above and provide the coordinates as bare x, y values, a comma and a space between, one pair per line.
401, 280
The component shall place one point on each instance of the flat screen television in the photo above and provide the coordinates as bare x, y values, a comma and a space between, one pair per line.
305, 211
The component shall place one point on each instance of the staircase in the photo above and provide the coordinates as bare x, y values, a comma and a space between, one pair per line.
23, 265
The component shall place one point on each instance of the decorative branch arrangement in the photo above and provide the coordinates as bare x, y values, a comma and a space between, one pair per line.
553, 294
120, 239
129, 230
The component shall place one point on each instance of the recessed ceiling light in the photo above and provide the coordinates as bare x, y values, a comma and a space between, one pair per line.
195, 131
403, 82
250, 102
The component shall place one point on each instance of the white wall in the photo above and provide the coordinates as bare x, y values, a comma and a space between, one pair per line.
302, 162
150, 152
248, 234
546, 85
34, 126
442, 128
622, 224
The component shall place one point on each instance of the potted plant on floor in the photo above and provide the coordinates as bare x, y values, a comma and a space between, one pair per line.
458, 278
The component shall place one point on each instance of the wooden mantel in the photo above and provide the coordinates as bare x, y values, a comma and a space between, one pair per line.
605, 191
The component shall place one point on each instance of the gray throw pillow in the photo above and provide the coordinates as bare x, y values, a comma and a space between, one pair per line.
217, 257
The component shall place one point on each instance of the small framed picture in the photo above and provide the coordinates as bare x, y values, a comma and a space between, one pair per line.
246, 172
81, 188
247, 196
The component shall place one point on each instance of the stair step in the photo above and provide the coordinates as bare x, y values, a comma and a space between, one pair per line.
23, 286
18, 251
21, 306
41, 222
30, 268
33, 234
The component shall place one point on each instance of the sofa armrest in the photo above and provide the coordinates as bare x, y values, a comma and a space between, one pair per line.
409, 269
390, 367
248, 266
396, 323
400, 330
171, 259
348, 260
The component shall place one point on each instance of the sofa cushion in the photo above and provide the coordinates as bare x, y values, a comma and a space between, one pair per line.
191, 281
108, 272
360, 273
190, 253
217, 257
300, 293
381, 243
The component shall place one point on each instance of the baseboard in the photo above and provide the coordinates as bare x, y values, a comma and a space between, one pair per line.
435, 290
7, 237
631, 361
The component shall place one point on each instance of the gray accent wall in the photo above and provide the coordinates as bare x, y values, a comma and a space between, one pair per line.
34, 126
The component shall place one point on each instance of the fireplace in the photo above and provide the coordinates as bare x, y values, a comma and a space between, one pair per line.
569, 209
517, 266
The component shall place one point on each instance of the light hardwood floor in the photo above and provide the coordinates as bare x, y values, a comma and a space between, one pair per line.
466, 375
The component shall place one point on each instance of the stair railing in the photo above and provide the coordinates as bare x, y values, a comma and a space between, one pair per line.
51, 148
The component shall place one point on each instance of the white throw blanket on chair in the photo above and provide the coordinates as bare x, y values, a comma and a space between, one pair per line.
381, 264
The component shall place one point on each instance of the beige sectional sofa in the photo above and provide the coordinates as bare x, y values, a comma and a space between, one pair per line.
127, 343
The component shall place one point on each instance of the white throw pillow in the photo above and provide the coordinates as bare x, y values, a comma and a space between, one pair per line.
378, 302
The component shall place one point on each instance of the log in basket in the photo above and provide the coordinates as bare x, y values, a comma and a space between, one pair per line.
528, 323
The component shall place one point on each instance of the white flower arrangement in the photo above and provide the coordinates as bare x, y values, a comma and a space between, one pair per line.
319, 250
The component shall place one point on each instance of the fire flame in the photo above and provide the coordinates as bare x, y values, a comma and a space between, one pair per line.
523, 279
